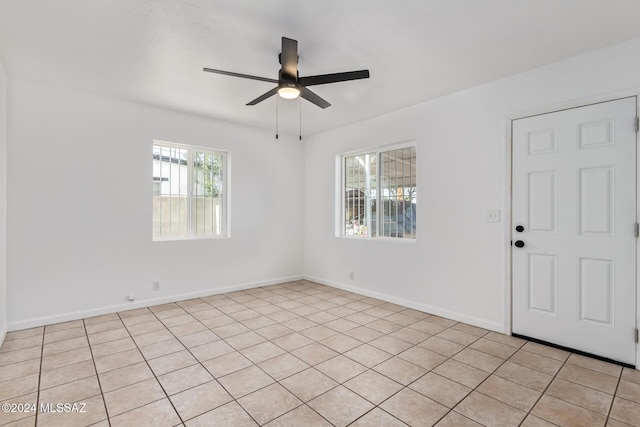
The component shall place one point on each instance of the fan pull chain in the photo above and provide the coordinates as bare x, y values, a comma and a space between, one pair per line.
276, 117
300, 121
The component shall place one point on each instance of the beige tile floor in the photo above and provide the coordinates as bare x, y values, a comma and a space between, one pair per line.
301, 354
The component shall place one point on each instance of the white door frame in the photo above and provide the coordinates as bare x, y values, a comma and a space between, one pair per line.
508, 314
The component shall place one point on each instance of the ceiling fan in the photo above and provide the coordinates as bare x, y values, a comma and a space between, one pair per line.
290, 84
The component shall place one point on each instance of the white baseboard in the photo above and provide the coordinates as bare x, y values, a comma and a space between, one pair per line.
459, 317
65, 317
3, 334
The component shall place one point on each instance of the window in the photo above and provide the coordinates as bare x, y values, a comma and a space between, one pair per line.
189, 190
379, 193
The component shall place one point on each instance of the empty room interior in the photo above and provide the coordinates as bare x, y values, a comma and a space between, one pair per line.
319, 213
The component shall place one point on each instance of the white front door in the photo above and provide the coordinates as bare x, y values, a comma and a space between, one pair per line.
574, 200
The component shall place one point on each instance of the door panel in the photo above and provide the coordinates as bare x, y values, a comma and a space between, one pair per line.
574, 193
596, 291
542, 202
542, 283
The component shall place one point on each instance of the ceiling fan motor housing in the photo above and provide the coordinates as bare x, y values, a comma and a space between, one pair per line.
293, 85
284, 77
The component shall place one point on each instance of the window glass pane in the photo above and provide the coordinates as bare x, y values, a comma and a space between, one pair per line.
170, 169
360, 188
207, 200
398, 192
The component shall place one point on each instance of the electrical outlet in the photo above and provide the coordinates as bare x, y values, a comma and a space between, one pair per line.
352, 275
493, 215
156, 286
132, 297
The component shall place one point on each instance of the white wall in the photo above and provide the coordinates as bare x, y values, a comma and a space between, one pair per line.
73, 252
3, 203
457, 266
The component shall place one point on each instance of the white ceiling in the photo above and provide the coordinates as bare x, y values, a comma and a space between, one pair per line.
153, 51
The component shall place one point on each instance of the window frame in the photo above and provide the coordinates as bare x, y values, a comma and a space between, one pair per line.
341, 191
224, 192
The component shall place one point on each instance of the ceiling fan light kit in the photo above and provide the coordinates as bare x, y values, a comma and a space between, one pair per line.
289, 91
289, 83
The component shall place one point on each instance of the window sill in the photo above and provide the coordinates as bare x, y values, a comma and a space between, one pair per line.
187, 239
379, 239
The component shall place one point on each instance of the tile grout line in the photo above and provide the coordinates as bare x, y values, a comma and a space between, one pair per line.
150, 369
213, 376
384, 334
553, 377
40, 376
286, 352
201, 363
404, 387
468, 346
566, 362
528, 412
613, 398
368, 368
93, 361
452, 409
119, 352
153, 313
449, 410
310, 366
253, 364
198, 360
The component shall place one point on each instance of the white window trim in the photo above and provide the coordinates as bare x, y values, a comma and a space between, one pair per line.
341, 185
225, 193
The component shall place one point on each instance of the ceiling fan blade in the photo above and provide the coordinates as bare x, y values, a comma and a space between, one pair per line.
313, 98
333, 78
244, 76
289, 57
264, 96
